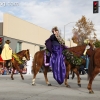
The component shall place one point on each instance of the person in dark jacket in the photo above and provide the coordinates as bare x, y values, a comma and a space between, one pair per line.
55, 45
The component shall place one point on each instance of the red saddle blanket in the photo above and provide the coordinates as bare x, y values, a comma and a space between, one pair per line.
1, 60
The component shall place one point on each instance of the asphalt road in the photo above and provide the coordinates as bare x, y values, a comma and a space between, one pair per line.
18, 89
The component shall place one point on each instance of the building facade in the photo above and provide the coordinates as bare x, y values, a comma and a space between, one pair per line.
24, 35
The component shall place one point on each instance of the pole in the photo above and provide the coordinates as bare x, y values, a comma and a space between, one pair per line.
64, 32
65, 26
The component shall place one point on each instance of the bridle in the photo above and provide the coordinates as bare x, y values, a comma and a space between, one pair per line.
26, 54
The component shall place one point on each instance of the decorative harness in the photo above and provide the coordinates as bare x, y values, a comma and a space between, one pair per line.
18, 57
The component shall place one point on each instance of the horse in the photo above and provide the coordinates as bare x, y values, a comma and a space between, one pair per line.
93, 69
14, 63
38, 62
94, 64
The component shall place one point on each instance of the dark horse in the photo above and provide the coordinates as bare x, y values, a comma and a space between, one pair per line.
15, 65
39, 62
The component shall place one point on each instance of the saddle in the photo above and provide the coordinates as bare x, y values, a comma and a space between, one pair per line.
69, 56
47, 56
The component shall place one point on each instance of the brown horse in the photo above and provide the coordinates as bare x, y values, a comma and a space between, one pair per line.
93, 70
16, 65
94, 65
39, 62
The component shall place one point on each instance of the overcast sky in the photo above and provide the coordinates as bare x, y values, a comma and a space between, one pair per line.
50, 13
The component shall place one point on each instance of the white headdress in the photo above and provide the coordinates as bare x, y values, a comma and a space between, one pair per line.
86, 41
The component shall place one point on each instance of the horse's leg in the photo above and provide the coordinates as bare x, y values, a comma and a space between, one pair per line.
68, 67
12, 73
95, 72
75, 70
19, 70
35, 71
45, 75
73, 75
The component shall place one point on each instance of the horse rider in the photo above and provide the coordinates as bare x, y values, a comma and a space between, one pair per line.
7, 52
87, 42
55, 45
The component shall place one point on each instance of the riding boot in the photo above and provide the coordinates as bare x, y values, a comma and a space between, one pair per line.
7, 63
7, 66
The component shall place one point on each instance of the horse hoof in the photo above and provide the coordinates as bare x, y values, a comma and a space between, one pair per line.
33, 84
12, 78
49, 85
79, 85
68, 86
22, 78
72, 78
91, 92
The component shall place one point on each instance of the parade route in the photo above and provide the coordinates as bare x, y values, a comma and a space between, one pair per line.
23, 90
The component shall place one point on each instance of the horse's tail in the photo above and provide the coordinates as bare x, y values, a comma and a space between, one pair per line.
34, 63
91, 65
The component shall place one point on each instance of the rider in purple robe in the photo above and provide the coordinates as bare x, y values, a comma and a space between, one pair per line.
56, 45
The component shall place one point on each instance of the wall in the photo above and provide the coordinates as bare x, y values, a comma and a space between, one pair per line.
31, 36
1, 28
70, 43
19, 29
67, 43
32, 48
13, 43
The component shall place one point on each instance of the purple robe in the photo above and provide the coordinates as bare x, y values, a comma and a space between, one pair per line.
57, 64
48, 44
56, 61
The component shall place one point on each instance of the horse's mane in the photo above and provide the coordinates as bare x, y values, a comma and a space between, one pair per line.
21, 51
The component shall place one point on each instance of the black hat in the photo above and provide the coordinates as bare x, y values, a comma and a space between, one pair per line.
8, 41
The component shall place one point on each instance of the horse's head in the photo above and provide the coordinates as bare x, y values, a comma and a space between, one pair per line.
24, 53
27, 54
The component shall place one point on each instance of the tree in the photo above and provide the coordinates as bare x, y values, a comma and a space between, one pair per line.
84, 29
97, 44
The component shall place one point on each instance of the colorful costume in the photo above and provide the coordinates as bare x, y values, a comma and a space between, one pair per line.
6, 52
57, 58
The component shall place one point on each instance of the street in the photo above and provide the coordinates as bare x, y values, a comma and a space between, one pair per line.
18, 89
